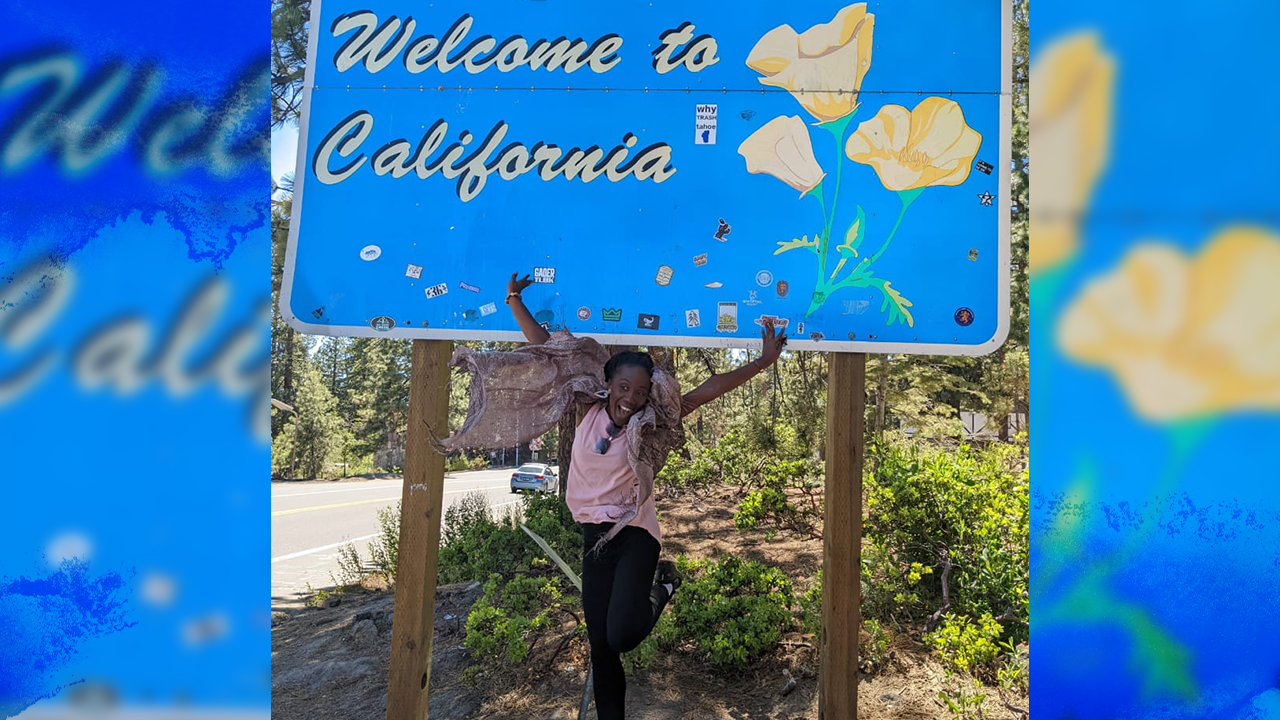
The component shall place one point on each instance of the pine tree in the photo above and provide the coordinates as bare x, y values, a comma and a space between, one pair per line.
378, 380
319, 433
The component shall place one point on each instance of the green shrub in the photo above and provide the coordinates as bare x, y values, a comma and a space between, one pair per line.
811, 608
549, 517
965, 508
385, 548
470, 540
522, 590
510, 614
350, 569
460, 462
727, 461
316, 598
963, 697
967, 647
1013, 673
771, 504
474, 545
733, 611
767, 437
876, 650
640, 659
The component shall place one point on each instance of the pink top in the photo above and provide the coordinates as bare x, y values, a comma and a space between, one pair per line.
602, 487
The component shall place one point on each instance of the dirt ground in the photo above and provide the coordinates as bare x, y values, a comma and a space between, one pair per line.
332, 662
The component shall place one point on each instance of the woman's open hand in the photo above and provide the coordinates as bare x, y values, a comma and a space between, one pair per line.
772, 342
518, 286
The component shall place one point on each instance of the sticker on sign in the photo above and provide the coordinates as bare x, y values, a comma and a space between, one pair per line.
704, 122
777, 321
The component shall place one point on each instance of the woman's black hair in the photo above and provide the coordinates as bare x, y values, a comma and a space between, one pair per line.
628, 357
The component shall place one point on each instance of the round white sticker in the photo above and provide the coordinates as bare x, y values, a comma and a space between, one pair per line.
370, 252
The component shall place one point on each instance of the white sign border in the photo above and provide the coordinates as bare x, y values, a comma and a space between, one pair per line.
1004, 206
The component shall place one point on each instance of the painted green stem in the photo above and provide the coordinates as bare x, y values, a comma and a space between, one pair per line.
837, 129
822, 242
821, 288
907, 197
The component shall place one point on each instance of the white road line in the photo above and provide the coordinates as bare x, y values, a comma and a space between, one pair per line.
322, 548
295, 511
486, 487
370, 486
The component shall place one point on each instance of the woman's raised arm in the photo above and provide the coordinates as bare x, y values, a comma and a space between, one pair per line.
533, 332
717, 385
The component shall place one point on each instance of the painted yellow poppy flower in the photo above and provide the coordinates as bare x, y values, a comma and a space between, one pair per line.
930, 145
1069, 121
822, 67
782, 148
1186, 337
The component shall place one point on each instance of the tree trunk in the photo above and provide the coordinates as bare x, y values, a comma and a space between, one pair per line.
564, 446
288, 366
773, 396
1003, 428
882, 390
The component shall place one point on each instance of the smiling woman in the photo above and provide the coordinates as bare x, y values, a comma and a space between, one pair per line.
630, 410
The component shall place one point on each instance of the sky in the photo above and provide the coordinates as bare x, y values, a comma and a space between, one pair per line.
284, 150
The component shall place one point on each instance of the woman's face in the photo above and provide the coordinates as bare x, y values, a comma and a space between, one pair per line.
628, 393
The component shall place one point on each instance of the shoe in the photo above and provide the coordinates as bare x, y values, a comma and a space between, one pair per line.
667, 573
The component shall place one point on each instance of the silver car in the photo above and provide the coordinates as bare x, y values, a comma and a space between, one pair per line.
535, 476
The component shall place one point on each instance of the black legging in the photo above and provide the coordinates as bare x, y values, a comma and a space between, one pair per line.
621, 604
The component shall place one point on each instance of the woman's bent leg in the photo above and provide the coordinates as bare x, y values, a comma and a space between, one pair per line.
609, 682
632, 613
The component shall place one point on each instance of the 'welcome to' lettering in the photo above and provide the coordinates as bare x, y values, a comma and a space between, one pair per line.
377, 45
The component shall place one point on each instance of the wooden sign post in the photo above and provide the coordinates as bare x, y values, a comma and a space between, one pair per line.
421, 508
842, 537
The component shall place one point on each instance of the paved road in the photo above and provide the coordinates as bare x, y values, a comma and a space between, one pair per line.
310, 521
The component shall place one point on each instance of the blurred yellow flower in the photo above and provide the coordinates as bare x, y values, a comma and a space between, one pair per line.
782, 148
822, 67
930, 145
1069, 121
1186, 337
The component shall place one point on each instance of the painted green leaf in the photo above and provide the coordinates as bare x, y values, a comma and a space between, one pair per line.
853, 236
803, 242
899, 312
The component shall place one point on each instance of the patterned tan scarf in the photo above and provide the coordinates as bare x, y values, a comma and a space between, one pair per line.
518, 395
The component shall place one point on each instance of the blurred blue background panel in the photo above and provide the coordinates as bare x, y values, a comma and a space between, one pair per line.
133, 359
1155, 538
869, 215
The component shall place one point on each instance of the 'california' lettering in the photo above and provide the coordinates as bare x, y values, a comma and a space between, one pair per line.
399, 158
